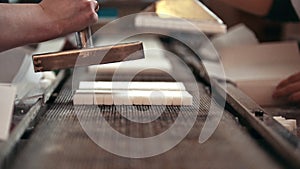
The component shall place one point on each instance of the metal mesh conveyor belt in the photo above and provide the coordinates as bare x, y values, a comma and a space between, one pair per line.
60, 142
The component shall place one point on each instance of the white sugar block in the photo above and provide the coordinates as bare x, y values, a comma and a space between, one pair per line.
157, 98
118, 99
293, 123
108, 99
77, 99
139, 97
91, 91
104, 85
83, 99
98, 99
146, 97
95, 85
122, 98
289, 124
127, 100
168, 100
173, 86
187, 98
156, 86
136, 97
162, 97
177, 98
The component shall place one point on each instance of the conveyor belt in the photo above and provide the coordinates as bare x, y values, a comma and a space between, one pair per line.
60, 142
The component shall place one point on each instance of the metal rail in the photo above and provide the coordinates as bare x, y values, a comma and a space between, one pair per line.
6, 147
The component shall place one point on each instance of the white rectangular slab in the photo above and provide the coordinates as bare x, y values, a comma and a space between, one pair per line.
105, 85
132, 97
8, 94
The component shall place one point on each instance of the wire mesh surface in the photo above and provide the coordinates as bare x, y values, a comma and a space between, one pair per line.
59, 140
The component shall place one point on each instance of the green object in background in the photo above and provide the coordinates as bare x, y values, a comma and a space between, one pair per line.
111, 13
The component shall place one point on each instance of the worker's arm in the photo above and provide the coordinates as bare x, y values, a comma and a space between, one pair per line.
22, 24
257, 7
289, 89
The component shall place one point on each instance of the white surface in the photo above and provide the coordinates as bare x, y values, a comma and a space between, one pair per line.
105, 85
8, 93
129, 93
83, 98
261, 91
129, 97
265, 61
155, 60
257, 69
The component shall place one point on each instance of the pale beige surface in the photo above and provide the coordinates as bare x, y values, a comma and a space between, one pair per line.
184, 16
263, 61
188, 9
7, 98
257, 69
261, 91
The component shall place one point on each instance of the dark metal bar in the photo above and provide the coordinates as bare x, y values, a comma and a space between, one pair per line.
276, 135
89, 56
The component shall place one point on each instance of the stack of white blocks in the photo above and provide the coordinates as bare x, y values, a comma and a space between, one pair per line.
132, 93
289, 124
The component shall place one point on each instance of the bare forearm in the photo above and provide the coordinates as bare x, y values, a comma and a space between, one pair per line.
24, 23
257, 7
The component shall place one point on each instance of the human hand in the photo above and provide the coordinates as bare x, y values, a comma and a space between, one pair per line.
67, 16
289, 89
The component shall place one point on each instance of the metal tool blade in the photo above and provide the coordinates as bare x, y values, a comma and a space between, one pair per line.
88, 56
